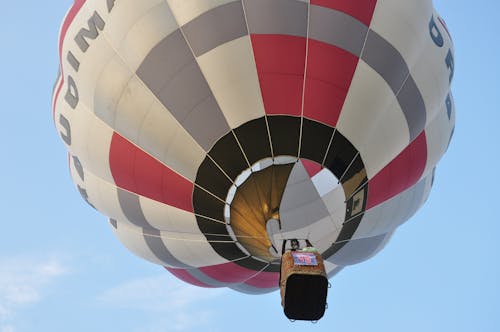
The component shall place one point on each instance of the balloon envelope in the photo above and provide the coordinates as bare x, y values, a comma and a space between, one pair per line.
209, 131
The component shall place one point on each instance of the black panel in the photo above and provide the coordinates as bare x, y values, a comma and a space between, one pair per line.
227, 154
220, 240
348, 229
254, 140
213, 230
207, 205
211, 178
227, 250
340, 155
285, 132
356, 168
251, 264
315, 140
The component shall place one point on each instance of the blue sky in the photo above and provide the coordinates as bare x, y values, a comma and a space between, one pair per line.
61, 268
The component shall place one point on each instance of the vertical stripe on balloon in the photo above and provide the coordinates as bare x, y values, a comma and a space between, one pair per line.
329, 74
280, 61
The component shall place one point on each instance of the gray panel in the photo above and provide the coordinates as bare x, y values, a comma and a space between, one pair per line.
413, 106
285, 17
356, 251
164, 61
189, 98
303, 216
185, 91
131, 207
337, 28
385, 60
216, 27
156, 245
301, 204
409, 203
299, 189
174, 76
206, 123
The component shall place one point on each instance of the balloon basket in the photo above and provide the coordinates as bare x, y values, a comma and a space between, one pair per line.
303, 285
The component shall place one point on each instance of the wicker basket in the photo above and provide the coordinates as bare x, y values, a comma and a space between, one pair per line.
303, 285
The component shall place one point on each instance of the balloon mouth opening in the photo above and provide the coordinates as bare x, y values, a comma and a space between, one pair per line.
247, 174
252, 212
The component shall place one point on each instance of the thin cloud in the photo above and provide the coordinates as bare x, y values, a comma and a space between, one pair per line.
178, 303
23, 283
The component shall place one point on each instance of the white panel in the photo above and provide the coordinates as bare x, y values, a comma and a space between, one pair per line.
373, 120
321, 234
335, 203
299, 189
98, 142
325, 182
109, 88
431, 75
231, 72
162, 135
387, 216
97, 5
124, 15
429, 182
357, 251
103, 196
192, 249
90, 139
186, 10
92, 63
145, 34
438, 132
132, 238
404, 24
144, 121
183, 236
132, 108
79, 122
169, 219
412, 39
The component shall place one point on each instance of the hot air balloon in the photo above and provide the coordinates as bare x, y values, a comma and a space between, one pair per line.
211, 131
